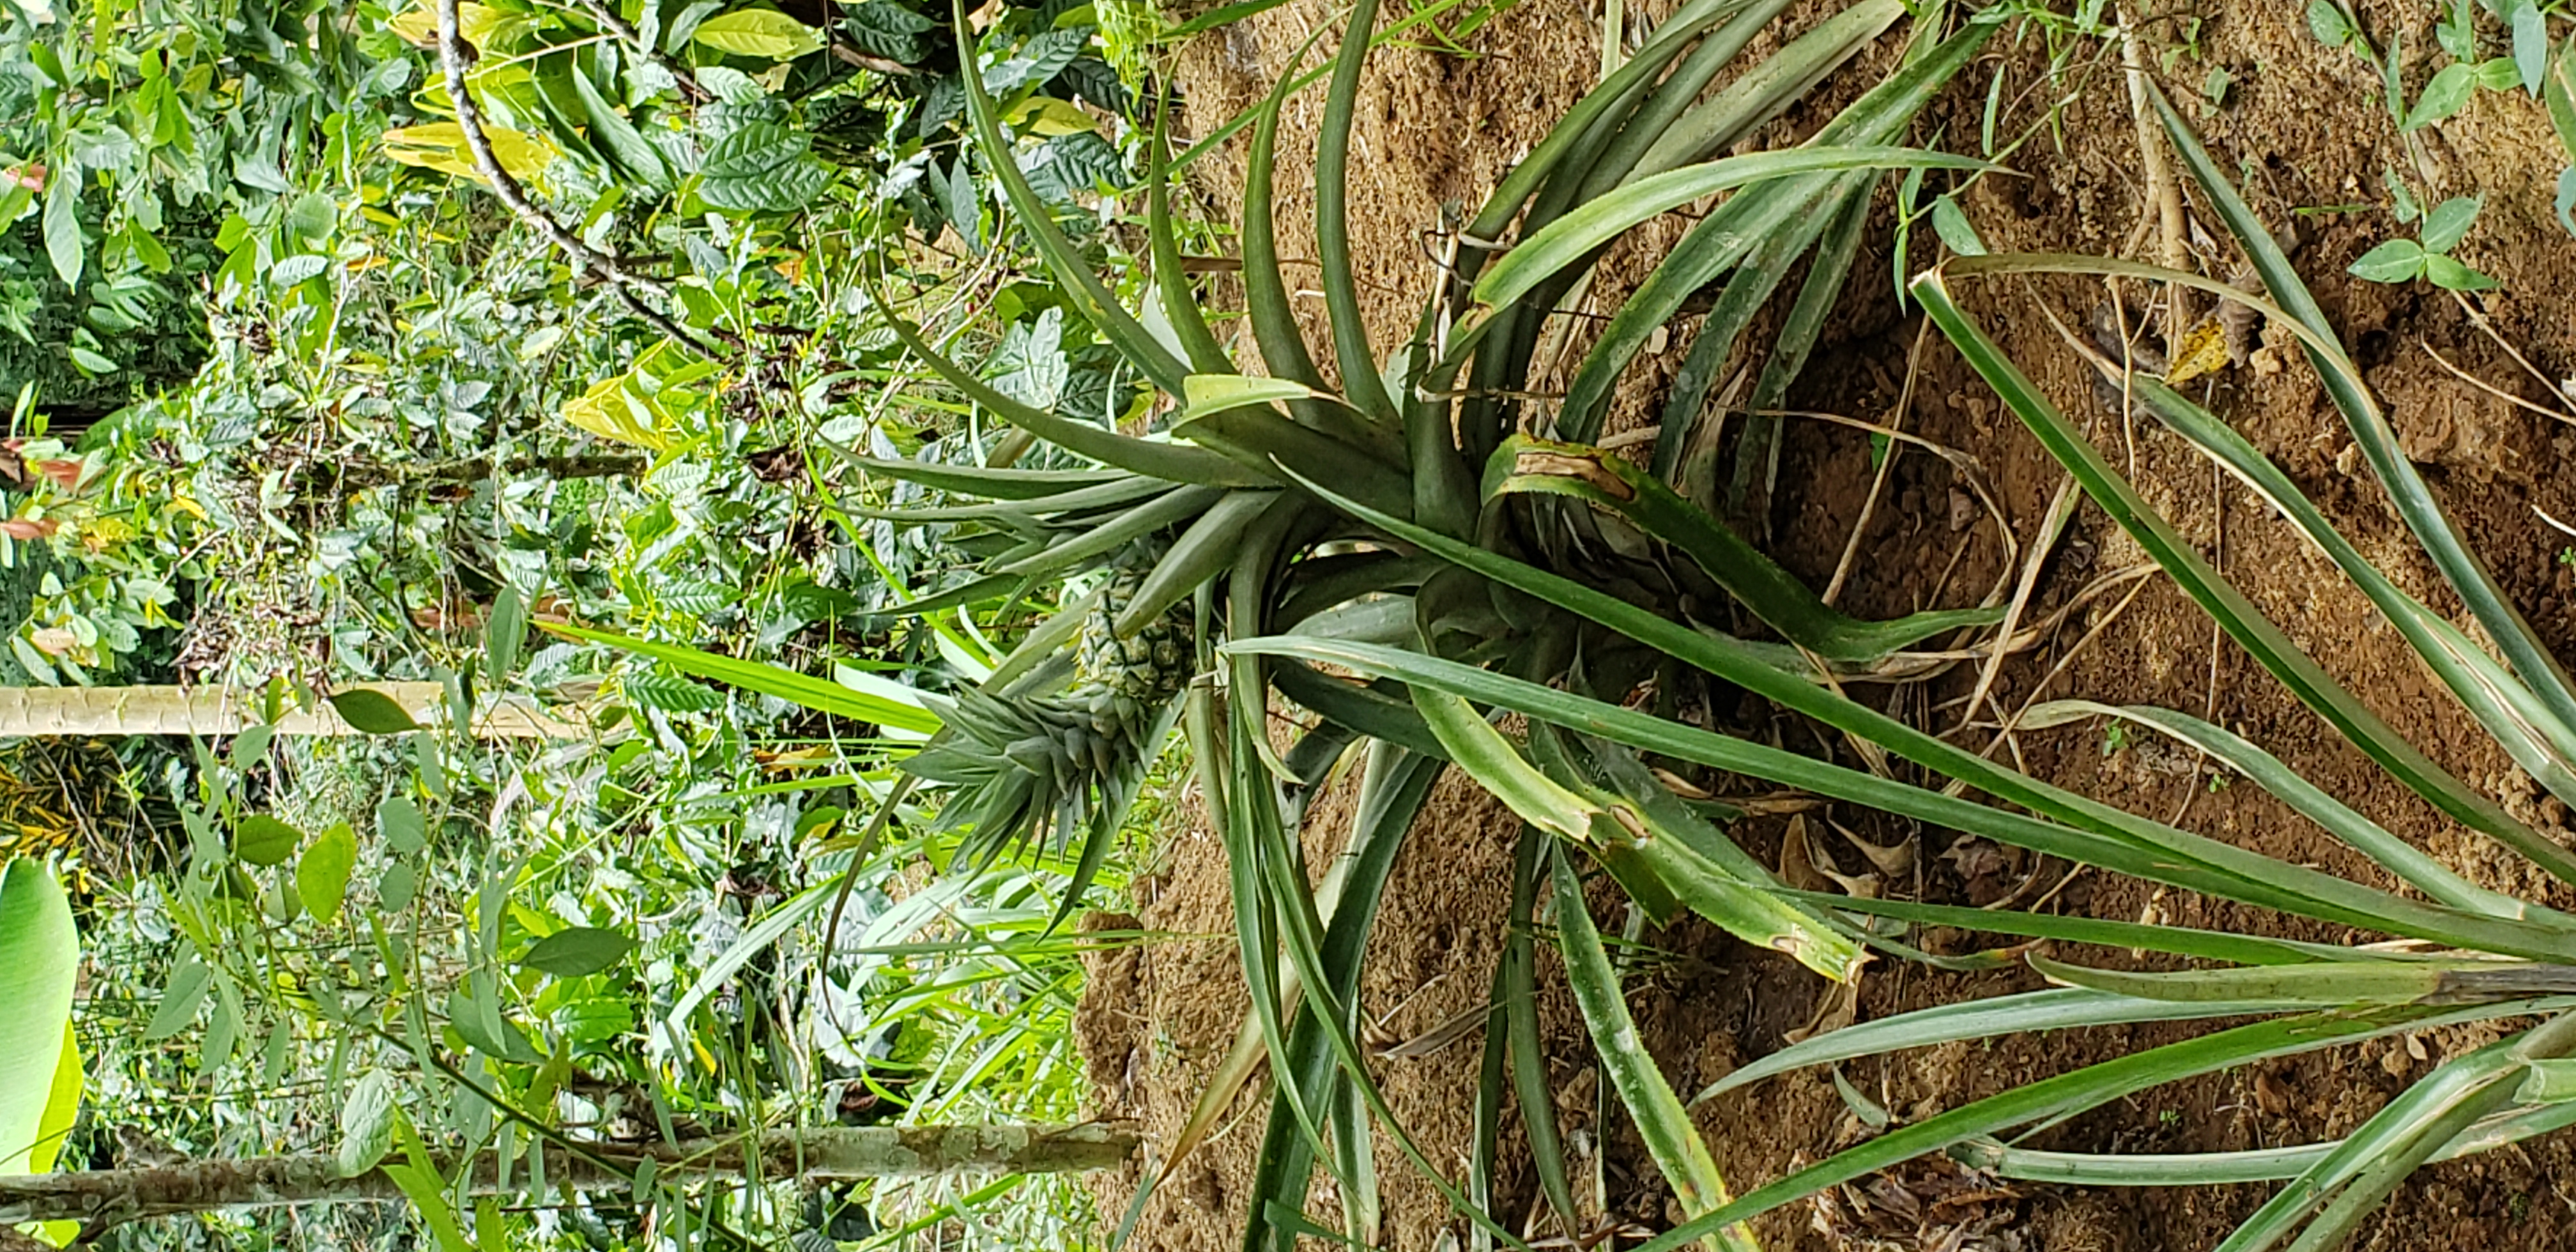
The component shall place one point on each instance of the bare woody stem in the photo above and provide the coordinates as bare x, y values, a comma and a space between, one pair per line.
453, 53
106, 1197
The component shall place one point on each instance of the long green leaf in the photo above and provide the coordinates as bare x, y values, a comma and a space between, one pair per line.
1351, 352
2327, 983
1726, 235
2066, 1094
2059, 1009
2137, 845
2373, 434
2145, 850
2403, 859
2520, 720
819, 694
1603, 480
2234, 613
1658, 1113
983, 482
1141, 456
1081, 288
1576, 235
2207, 1169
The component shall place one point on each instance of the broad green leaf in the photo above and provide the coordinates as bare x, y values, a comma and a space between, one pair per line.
312, 216
485, 1028
372, 712
62, 1108
505, 633
613, 408
2396, 261
399, 821
39, 953
367, 1123
2453, 276
62, 227
421, 1183
1950, 222
758, 33
2530, 44
322, 874
578, 951
2448, 223
264, 840
2446, 94
179, 999
762, 167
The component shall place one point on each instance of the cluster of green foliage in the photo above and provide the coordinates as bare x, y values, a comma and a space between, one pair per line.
397, 431
761, 388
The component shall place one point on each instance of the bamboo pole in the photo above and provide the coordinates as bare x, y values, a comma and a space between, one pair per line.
116, 1195
115, 712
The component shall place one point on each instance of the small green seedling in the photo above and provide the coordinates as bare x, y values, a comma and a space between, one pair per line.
2567, 557
2428, 255
2114, 737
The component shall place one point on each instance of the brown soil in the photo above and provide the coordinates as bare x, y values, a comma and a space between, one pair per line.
2301, 120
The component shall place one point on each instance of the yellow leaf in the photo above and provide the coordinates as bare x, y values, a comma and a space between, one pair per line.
2203, 351
758, 33
441, 146
1046, 115
610, 411
481, 24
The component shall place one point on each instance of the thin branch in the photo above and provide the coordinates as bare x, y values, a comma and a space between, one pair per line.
453, 52
609, 21
109, 1197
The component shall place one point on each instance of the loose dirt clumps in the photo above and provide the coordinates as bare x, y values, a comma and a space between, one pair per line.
2299, 125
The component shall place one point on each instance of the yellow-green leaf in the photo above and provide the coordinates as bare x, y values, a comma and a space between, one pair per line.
322, 875
758, 33
612, 410
441, 146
